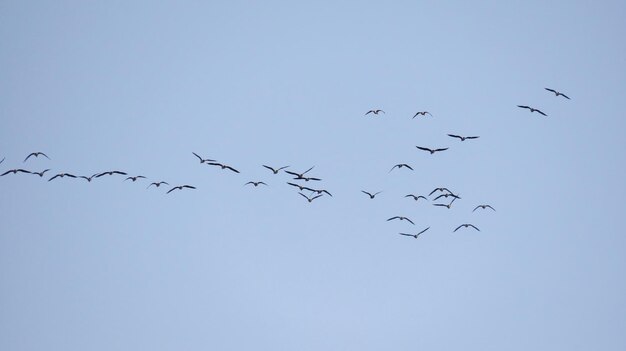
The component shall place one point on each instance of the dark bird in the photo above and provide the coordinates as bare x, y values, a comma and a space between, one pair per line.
36, 154
88, 178
414, 235
439, 189
134, 179
423, 113
157, 184
301, 187
299, 175
202, 160
370, 194
446, 196
110, 173
255, 183
319, 191
416, 197
223, 166
275, 170
463, 137
432, 151
556, 93
531, 109
306, 179
41, 173
483, 207
402, 219
465, 225
400, 165
310, 199
61, 175
14, 171
374, 112
448, 205
180, 187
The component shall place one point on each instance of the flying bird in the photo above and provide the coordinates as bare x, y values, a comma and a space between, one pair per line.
61, 175
483, 207
374, 112
446, 196
301, 187
134, 179
180, 187
319, 191
88, 178
299, 175
415, 235
400, 165
439, 189
531, 109
465, 225
310, 199
255, 184
423, 113
402, 219
370, 194
275, 170
416, 197
448, 205
157, 184
110, 173
223, 166
202, 160
36, 154
463, 137
557, 93
40, 174
432, 151
306, 179
14, 171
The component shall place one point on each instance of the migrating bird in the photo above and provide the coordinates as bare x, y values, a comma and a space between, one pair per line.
110, 173
88, 178
556, 93
402, 219
14, 171
483, 207
374, 112
255, 183
531, 109
423, 113
370, 194
202, 160
301, 187
432, 151
306, 179
36, 154
319, 191
448, 205
439, 189
40, 174
466, 225
61, 175
299, 175
180, 187
400, 165
134, 179
463, 137
223, 166
446, 196
275, 170
414, 235
157, 184
416, 197
310, 199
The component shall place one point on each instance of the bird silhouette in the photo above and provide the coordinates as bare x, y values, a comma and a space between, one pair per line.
134, 179
110, 173
61, 175
423, 113
402, 218
40, 174
275, 170
416, 197
556, 93
446, 196
415, 235
157, 184
89, 178
532, 109
448, 205
400, 165
432, 151
463, 137
180, 187
202, 160
483, 207
465, 225
306, 179
301, 187
370, 194
14, 171
310, 199
439, 189
319, 191
299, 175
36, 154
374, 112
255, 184
223, 166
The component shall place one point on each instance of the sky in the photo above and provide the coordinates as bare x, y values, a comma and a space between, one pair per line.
139, 86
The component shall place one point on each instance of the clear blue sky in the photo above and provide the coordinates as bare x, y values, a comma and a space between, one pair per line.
138, 86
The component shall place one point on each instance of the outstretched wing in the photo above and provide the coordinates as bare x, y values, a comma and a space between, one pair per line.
541, 112
523, 106
455, 136
409, 220
424, 148
423, 231
473, 226
444, 149
565, 96
457, 228
198, 156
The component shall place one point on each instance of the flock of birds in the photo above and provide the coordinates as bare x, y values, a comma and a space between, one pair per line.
312, 193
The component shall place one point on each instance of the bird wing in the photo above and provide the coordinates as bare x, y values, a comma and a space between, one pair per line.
552, 90
363, 191
565, 96
326, 191
189, 186
457, 228
472, 137
249, 183
440, 196
56, 176
423, 231
424, 148
473, 226
410, 221
41, 153
407, 166
270, 168
292, 173
432, 192
423, 197
5, 173
523, 106
312, 178
443, 149
307, 171
488, 206
215, 164
394, 217
29, 155
475, 208
541, 112
455, 136
151, 184
232, 169
368, 112
306, 197
172, 189
405, 234
315, 197
198, 156
440, 205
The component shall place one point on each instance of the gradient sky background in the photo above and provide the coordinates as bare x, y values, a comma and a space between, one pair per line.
138, 86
